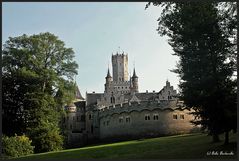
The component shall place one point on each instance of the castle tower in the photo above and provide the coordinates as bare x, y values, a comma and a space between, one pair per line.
108, 80
120, 67
135, 82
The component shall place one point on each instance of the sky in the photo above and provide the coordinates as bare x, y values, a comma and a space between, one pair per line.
95, 31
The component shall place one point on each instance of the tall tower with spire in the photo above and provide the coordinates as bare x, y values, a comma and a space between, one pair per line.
135, 87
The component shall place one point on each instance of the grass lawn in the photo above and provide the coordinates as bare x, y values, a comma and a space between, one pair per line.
193, 146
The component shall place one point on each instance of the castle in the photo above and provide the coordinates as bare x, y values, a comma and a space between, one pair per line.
124, 112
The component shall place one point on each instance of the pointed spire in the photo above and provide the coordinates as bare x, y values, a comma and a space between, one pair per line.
134, 74
78, 93
108, 74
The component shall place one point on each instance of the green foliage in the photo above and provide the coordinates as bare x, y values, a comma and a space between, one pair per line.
37, 74
16, 146
198, 35
43, 126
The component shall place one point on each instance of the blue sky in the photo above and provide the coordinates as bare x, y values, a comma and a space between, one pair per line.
95, 31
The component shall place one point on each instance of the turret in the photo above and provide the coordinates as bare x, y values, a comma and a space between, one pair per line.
108, 80
135, 82
71, 108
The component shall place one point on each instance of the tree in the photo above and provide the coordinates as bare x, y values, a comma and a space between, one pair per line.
205, 69
35, 70
44, 123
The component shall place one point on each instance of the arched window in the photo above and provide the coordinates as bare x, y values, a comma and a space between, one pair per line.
112, 99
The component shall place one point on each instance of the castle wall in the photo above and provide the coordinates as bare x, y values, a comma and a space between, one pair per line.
138, 126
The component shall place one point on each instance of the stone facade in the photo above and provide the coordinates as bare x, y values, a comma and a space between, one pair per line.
120, 67
147, 118
123, 112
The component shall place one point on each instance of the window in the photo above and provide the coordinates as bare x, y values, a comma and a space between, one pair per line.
89, 116
156, 116
70, 126
181, 117
175, 116
120, 119
112, 99
92, 129
147, 117
127, 119
107, 123
73, 118
104, 123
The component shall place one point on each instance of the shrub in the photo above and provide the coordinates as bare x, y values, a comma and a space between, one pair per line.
45, 139
16, 146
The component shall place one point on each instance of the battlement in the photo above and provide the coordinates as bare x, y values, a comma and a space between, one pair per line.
120, 55
139, 106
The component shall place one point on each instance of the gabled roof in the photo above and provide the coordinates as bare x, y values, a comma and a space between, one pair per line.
134, 98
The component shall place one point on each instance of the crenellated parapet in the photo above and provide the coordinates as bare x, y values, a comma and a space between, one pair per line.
143, 105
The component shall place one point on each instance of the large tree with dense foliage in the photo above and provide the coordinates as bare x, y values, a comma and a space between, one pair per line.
37, 73
200, 35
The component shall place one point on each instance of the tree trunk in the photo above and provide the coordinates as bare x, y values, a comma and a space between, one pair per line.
215, 138
226, 138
